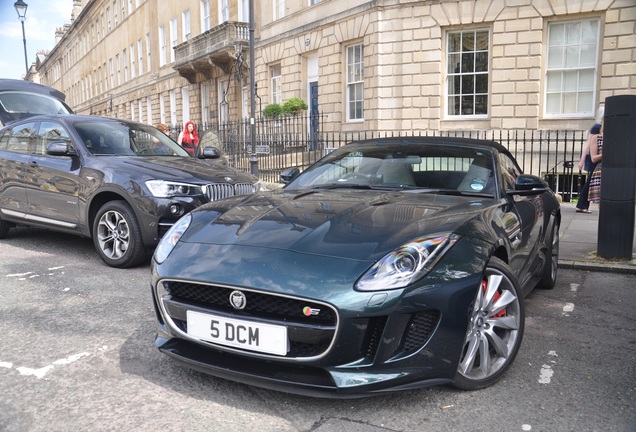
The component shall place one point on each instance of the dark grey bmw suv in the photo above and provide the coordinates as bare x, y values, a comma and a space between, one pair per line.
121, 183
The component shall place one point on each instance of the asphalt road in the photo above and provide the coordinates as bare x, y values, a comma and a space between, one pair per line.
77, 354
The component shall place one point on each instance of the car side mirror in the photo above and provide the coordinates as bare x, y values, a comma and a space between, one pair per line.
60, 148
289, 174
210, 153
527, 184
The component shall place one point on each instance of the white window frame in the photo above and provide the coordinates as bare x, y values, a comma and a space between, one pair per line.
115, 13
571, 72
125, 58
468, 67
118, 64
141, 111
174, 38
354, 76
224, 10
132, 61
173, 107
205, 104
185, 24
162, 45
276, 84
149, 51
243, 11
205, 16
140, 53
279, 9
111, 70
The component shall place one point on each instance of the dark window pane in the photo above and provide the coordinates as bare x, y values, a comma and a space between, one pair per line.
468, 60
482, 41
468, 84
481, 104
453, 42
467, 105
453, 63
481, 62
454, 85
453, 105
481, 83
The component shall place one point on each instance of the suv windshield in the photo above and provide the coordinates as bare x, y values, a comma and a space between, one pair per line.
16, 105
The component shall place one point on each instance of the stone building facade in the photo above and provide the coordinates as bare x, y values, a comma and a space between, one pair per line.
381, 65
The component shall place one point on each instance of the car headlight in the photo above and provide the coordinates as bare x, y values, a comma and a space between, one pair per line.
167, 189
170, 239
407, 263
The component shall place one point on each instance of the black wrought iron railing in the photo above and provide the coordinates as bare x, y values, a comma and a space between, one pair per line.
299, 141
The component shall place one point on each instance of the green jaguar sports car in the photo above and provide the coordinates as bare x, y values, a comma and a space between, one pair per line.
390, 264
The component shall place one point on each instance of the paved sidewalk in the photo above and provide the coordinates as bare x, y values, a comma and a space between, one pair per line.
579, 243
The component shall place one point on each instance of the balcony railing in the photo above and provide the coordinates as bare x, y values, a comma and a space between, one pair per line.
216, 47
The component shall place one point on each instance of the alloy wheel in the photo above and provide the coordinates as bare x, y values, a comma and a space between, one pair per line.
495, 330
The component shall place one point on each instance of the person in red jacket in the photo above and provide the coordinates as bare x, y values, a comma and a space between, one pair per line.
188, 138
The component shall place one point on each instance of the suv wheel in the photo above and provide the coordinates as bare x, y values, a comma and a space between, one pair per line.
117, 236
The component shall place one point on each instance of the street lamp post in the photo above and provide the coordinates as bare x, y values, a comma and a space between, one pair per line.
21, 9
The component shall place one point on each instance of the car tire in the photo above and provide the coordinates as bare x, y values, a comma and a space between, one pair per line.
117, 237
4, 228
495, 331
551, 266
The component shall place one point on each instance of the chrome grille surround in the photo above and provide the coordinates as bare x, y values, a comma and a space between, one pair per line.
305, 347
217, 191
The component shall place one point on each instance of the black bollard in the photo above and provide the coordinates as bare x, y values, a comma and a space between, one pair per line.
618, 179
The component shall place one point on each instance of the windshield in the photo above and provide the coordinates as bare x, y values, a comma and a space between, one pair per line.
16, 105
439, 167
126, 139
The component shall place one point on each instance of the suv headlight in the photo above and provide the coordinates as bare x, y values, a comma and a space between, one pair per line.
167, 189
407, 263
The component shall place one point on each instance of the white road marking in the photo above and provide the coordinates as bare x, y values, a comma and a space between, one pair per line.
19, 274
526, 427
569, 307
574, 287
41, 372
546, 374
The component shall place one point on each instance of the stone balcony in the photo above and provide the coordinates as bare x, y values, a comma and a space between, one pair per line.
216, 47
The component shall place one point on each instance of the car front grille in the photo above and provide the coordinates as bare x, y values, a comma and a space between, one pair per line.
217, 191
309, 335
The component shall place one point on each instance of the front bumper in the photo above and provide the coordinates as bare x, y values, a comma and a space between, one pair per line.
402, 339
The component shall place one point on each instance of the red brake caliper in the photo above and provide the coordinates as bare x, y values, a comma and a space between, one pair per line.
484, 285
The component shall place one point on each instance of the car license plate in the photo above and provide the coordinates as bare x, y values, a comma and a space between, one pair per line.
260, 337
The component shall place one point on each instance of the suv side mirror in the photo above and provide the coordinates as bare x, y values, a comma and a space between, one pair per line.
60, 148
210, 153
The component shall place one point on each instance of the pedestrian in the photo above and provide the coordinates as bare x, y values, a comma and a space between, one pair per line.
583, 204
596, 154
188, 138
163, 128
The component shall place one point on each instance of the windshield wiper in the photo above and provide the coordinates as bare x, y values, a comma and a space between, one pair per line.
453, 192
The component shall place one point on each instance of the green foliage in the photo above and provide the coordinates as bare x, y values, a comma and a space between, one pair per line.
294, 106
272, 111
